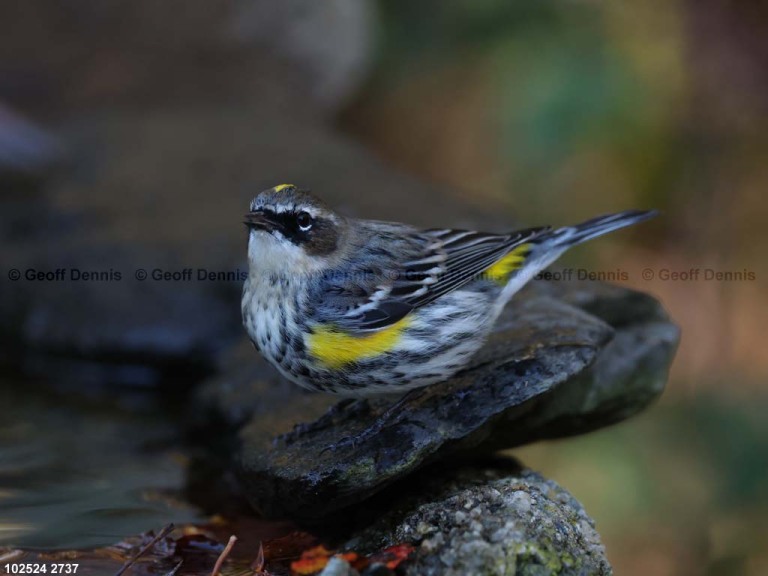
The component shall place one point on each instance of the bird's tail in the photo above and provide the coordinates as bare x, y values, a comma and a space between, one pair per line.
572, 235
549, 245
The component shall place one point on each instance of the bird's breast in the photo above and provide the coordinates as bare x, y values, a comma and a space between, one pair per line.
271, 312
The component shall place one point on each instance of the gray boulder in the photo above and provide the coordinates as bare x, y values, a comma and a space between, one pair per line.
492, 519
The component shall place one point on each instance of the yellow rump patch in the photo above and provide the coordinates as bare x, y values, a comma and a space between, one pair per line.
335, 349
281, 187
501, 270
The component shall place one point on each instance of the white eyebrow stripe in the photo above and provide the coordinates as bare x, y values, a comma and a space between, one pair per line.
282, 209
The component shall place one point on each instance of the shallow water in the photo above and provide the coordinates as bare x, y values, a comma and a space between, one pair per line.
82, 473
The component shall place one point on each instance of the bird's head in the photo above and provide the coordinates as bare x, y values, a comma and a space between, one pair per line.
291, 230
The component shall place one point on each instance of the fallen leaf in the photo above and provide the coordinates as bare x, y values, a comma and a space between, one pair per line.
311, 561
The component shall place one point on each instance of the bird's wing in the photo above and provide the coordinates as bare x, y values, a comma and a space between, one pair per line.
429, 264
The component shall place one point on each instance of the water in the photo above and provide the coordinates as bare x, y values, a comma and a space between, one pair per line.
83, 473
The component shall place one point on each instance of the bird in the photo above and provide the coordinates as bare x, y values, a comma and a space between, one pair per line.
362, 308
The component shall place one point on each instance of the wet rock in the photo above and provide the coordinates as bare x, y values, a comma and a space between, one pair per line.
488, 520
564, 359
628, 374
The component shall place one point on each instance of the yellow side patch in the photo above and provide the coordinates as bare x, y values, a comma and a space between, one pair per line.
281, 187
335, 349
500, 271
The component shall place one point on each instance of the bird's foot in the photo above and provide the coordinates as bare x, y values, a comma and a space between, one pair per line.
388, 416
355, 440
349, 407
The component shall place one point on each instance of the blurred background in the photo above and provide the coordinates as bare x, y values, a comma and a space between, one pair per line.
132, 135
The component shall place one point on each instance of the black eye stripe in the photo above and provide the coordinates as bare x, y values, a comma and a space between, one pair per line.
290, 225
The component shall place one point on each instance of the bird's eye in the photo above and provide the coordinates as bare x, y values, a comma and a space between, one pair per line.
304, 220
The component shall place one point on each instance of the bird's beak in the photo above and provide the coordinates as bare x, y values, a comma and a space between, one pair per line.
258, 220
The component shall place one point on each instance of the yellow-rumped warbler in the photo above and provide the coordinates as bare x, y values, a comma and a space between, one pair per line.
361, 307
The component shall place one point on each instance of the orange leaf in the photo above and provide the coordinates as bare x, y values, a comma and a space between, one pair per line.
392, 557
311, 561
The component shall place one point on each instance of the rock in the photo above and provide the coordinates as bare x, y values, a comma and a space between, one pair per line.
550, 369
487, 520
630, 372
